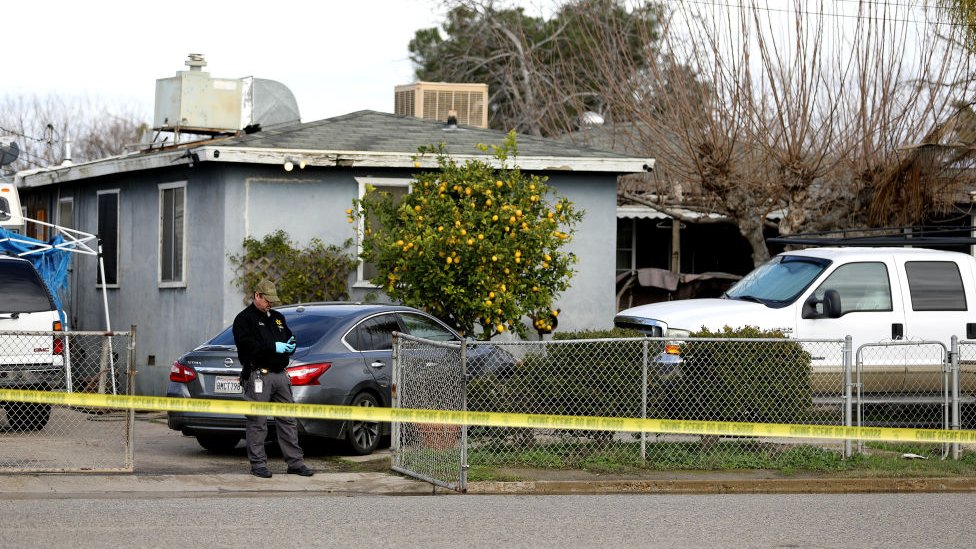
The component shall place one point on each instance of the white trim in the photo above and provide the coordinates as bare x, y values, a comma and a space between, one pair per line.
181, 283
313, 157
376, 182
118, 232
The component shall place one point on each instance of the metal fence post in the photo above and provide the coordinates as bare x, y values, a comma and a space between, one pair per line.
395, 441
848, 404
954, 373
463, 474
643, 444
130, 390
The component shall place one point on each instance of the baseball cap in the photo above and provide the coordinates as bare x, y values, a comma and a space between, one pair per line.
267, 289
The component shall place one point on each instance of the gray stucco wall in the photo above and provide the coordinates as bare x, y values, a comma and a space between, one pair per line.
226, 202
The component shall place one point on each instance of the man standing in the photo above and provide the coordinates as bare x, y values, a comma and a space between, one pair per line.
264, 344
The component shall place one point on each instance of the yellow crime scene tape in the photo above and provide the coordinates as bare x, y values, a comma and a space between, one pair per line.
489, 419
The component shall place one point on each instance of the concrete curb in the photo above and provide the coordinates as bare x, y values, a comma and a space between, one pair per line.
106, 485
727, 486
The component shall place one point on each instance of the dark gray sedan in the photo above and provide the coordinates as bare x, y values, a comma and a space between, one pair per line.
344, 357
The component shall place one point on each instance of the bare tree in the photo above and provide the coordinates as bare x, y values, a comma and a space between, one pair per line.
808, 118
516, 54
43, 127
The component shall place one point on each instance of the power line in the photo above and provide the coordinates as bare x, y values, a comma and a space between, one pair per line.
742, 5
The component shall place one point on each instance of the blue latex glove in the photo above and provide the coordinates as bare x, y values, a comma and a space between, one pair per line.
284, 348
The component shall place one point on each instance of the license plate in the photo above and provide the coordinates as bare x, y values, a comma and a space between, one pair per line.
227, 384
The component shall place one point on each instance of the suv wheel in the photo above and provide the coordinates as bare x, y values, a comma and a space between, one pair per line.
363, 437
27, 416
218, 443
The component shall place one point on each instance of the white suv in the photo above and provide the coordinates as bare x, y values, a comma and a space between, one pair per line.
28, 361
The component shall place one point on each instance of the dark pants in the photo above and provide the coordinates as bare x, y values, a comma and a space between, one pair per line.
277, 388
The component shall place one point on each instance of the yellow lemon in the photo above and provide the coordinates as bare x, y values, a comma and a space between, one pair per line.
500, 328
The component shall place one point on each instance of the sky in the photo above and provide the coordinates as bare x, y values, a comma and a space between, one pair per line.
336, 57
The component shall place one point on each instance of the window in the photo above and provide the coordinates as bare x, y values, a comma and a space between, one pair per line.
375, 334
862, 287
108, 234
66, 212
172, 234
935, 286
397, 188
426, 327
626, 261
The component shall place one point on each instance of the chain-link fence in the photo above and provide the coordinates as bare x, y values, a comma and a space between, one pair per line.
43, 438
893, 384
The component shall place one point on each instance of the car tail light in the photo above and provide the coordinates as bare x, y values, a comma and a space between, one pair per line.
58, 340
181, 373
307, 374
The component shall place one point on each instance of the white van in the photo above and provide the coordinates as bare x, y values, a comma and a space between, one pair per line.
871, 294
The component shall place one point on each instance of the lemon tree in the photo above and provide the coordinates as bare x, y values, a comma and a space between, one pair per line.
478, 245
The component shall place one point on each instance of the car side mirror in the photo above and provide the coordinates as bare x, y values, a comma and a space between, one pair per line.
831, 306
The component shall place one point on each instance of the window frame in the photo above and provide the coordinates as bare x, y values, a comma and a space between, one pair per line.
848, 303
362, 182
115, 252
163, 188
66, 202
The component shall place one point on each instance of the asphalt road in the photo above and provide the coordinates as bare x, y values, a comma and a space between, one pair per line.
885, 520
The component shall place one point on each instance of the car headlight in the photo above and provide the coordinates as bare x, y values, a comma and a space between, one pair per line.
674, 332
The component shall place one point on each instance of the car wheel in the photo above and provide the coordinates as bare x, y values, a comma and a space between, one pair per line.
218, 443
27, 416
363, 437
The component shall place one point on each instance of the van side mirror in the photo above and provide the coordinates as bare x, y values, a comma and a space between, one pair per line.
831, 306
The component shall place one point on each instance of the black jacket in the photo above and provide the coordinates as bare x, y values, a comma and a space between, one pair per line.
255, 334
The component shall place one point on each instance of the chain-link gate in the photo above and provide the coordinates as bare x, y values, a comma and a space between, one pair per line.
49, 438
902, 384
742, 380
429, 375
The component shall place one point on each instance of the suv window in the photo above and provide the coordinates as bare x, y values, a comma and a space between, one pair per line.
862, 287
935, 286
375, 334
21, 289
426, 327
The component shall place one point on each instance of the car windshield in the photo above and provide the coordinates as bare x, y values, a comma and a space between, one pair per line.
21, 289
779, 281
307, 330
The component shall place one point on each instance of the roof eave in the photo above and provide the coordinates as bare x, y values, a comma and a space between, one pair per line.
371, 159
320, 158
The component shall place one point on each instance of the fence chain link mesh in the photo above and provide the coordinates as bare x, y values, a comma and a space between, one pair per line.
38, 437
744, 380
428, 375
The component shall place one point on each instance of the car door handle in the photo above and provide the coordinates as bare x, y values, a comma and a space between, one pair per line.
378, 364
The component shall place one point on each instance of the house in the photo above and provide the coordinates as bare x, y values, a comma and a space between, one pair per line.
168, 218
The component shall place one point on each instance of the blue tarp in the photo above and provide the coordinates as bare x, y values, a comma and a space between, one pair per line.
52, 264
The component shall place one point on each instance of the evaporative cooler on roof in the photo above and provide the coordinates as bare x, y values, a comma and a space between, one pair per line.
434, 100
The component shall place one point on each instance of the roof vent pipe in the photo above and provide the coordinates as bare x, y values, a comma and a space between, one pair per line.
195, 61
